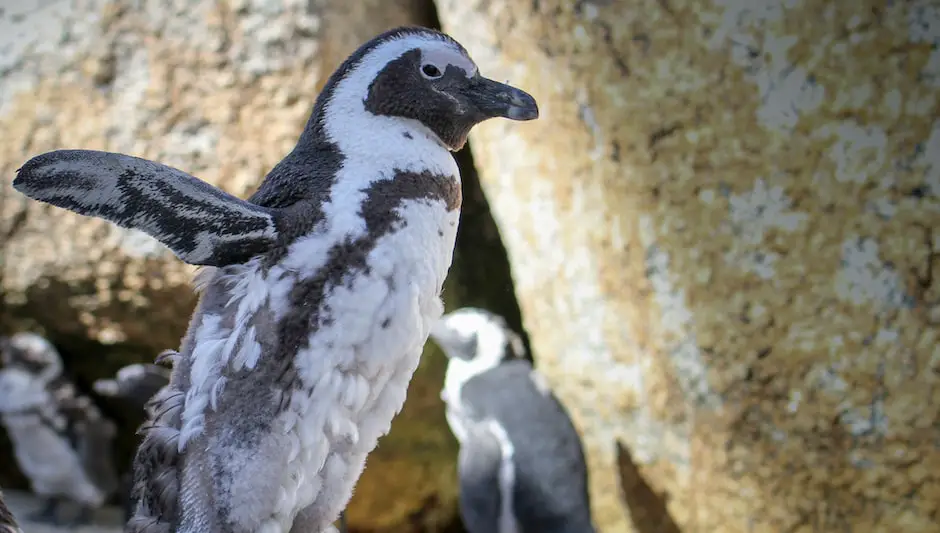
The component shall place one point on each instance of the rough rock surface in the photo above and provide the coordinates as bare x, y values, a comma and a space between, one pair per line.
724, 234
220, 89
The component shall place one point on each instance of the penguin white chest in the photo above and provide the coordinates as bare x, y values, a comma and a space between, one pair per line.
365, 331
360, 358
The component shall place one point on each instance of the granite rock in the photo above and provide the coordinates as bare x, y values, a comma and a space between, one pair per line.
724, 234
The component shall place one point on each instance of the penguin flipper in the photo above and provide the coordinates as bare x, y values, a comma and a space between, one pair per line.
201, 224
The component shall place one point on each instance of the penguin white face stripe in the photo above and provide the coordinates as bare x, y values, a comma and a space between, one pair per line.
442, 56
347, 119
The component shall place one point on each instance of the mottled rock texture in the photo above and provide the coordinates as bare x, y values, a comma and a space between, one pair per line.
220, 89
724, 235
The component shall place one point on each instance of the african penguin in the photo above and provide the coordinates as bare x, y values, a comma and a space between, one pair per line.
62, 444
133, 385
7, 520
33, 353
316, 294
521, 466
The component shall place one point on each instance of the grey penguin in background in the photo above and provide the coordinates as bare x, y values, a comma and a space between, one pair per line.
54, 424
316, 294
521, 464
61, 444
8, 522
33, 353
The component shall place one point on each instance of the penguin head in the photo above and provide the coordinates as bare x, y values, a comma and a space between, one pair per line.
28, 351
419, 76
478, 337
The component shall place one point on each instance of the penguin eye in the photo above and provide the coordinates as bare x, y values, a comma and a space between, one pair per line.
431, 71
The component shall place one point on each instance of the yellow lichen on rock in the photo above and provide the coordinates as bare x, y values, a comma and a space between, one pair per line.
723, 232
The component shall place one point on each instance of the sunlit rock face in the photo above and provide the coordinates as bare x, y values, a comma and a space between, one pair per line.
723, 232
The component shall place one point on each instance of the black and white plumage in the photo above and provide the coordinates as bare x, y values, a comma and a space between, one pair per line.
8, 522
61, 441
521, 464
318, 294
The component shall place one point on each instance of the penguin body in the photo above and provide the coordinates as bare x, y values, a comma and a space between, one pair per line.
62, 448
316, 294
521, 464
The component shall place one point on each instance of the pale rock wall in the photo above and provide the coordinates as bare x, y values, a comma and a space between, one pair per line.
724, 234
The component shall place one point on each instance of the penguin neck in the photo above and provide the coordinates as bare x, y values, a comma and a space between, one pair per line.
399, 143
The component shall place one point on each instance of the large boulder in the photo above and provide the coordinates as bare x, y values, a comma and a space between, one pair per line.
724, 234
220, 89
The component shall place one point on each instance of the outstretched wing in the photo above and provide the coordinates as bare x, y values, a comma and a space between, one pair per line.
201, 224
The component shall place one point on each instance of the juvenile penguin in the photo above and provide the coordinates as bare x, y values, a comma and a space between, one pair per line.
60, 444
317, 293
521, 466
33, 353
7, 520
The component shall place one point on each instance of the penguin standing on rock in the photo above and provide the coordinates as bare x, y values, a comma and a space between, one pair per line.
521, 465
317, 293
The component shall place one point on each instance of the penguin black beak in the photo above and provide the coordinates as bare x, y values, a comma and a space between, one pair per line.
494, 99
